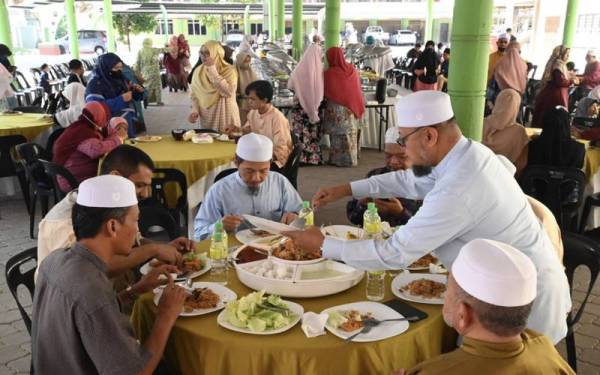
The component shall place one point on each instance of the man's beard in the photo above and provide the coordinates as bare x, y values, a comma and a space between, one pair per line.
253, 190
421, 170
502, 49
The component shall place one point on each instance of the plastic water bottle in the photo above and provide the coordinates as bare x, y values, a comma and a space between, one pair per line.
307, 214
218, 254
372, 230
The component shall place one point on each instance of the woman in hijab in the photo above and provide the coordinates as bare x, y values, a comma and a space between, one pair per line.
555, 147
173, 62
555, 85
148, 67
214, 86
502, 134
84, 142
425, 68
245, 77
511, 70
345, 106
75, 94
109, 85
307, 83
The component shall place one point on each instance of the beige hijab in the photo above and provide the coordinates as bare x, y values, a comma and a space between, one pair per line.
511, 70
501, 133
205, 92
245, 73
555, 62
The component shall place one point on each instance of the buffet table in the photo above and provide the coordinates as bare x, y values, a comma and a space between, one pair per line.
198, 345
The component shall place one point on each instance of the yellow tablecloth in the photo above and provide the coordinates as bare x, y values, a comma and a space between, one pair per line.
198, 345
29, 125
592, 161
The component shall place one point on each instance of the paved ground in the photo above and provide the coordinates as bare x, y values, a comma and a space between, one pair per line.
14, 238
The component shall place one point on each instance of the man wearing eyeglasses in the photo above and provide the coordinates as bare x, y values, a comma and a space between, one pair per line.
468, 192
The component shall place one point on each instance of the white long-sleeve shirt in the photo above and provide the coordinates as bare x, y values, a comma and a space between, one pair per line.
470, 194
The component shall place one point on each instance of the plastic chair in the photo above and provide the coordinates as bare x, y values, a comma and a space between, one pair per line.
51, 140
53, 171
591, 201
163, 177
15, 278
157, 216
8, 167
224, 173
531, 89
579, 251
560, 189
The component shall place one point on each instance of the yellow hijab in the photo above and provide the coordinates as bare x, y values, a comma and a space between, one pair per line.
205, 92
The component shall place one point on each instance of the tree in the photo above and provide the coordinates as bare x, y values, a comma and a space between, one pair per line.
127, 24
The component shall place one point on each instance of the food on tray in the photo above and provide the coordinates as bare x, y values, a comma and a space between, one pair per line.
201, 298
348, 320
202, 138
250, 254
369, 75
272, 270
424, 261
425, 288
258, 312
289, 251
260, 233
190, 263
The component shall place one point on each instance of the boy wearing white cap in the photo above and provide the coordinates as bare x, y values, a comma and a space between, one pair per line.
253, 190
490, 293
395, 210
467, 193
77, 326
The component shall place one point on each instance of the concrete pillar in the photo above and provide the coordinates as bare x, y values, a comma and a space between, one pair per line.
280, 19
471, 24
570, 23
332, 23
247, 29
72, 25
429, 20
110, 30
5, 33
297, 31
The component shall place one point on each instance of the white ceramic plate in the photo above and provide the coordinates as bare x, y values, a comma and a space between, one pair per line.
146, 268
297, 309
148, 138
225, 293
247, 237
341, 231
379, 311
404, 278
269, 225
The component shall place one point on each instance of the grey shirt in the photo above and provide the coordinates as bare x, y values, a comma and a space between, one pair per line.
77, 326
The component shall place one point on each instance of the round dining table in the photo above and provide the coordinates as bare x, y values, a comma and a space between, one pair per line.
198, 345
30, 125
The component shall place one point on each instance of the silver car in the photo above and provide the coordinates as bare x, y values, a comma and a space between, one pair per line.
89, 41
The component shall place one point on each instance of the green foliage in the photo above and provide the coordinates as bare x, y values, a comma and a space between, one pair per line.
61, 28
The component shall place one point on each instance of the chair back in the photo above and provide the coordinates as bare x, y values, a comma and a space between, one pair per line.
16, 277
7, 144
54, 171
558, 188
224, 173
290, 169
157, 216
51, 140
22, 80
592, 200
31, 154
162, 177
579, 251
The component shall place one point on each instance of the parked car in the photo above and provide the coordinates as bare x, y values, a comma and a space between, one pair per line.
377, 33
89, 41
403, 38
234, 38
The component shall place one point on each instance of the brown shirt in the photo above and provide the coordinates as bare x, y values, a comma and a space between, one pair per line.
77, 326
534, 354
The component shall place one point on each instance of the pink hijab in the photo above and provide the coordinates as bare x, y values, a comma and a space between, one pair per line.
307, 82
511, 70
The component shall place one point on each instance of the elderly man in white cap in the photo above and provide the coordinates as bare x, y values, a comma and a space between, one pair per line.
253, 190
490, 293
77, 326
502, 44
467, 191
395, 210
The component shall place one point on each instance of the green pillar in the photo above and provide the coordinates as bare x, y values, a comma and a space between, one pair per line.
297, 31
404, 23
332, 24
272, 19
247, 29
471, 25
429, 20
5, 34
280, 19
570, 23
165, 20
110, 30
72, 21
308, 26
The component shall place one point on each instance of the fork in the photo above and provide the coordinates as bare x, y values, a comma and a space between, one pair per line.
366, 329
372, 322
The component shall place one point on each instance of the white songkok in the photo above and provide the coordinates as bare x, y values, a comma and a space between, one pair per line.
495, 273
391, 135
255, 147
423, 108
503, 36
107, 191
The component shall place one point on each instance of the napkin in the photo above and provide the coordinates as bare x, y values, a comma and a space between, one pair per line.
313, 324
202, 138
434, 268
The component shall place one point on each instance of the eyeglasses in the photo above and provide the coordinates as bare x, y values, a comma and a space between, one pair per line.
402, 140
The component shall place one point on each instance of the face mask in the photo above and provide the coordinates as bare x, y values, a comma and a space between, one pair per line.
116, 73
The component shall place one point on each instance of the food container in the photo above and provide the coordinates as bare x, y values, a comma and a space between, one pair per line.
178, 134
